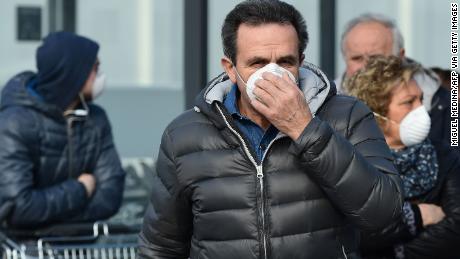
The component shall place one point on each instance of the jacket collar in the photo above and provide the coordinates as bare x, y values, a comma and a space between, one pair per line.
313, 82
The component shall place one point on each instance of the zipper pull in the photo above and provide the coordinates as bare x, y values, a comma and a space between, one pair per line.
344, 253
260, 174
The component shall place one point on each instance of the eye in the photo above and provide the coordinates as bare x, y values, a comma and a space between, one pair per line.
257, 64
286, 64
409, 102
357, 58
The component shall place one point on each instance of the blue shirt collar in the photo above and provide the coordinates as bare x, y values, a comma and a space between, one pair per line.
231, 102
257, 137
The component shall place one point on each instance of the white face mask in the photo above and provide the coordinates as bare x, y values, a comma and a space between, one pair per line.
272, 68
414, 128
99, 85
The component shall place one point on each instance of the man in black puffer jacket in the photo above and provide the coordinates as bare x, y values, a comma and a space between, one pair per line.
58, 162
269, 168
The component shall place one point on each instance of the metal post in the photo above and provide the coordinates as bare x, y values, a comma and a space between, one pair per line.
196, 48
327, 37
62, 15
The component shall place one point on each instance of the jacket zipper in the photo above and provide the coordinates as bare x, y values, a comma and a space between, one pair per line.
70, 124
70, 147
263, 157
260, 175
344, 253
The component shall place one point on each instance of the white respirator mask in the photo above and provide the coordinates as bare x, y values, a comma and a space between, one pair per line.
271, 68
99, 85
414, 128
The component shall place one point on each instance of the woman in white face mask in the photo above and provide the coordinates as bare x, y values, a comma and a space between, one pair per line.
430, 224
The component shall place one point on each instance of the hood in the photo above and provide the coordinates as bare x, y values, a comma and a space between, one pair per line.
15, 93
64, 62
429, 83
338, 84
313, 82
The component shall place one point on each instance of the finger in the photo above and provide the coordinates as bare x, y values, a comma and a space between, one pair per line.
268, 87
287, 78
291, 86
261, 108
264, 97
277, 81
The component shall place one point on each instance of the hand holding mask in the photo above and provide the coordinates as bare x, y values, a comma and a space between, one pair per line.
271, 68
274, 93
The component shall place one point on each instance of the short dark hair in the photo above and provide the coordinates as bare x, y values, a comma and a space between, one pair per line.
257, 12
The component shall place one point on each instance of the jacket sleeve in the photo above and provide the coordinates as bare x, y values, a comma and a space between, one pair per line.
31, 206
167, 228
355, 169
408, 226
441, 240
110, 179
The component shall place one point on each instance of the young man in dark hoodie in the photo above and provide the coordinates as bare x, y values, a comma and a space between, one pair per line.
58, 162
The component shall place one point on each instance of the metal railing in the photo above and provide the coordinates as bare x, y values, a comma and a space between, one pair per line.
110, 239
101, 244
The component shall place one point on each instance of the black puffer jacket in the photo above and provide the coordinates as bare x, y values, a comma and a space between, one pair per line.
41, 155
436, 241
306, 199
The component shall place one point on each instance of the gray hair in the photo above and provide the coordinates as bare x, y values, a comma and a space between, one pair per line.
398, 41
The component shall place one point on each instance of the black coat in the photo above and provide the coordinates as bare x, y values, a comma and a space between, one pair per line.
38, 174
436, 241
308, 201
441, 119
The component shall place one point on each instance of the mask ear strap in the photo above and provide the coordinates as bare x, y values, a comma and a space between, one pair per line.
384, 118
83, 102
238, 75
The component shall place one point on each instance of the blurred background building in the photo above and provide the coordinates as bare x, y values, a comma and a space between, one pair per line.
158, 54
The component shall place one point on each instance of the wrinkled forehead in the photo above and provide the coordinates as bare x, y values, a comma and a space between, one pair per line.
369, 39
266, 39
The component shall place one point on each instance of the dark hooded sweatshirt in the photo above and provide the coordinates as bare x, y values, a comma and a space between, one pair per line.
42, 153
